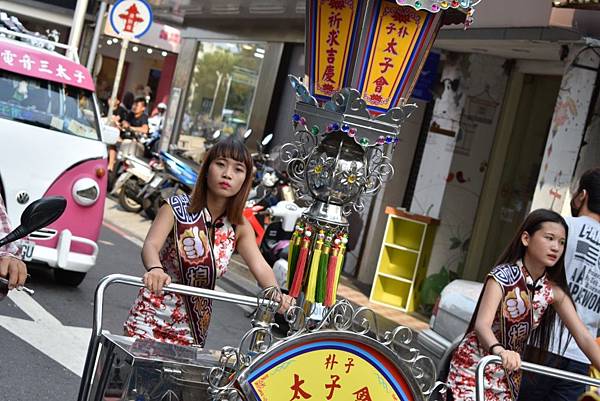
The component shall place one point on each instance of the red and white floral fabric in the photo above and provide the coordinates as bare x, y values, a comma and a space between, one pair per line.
461, 378
164, 317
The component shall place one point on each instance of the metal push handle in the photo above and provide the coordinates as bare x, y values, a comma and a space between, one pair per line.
92, 354
527, 367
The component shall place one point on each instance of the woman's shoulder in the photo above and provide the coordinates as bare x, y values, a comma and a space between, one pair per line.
505, 268
506, 274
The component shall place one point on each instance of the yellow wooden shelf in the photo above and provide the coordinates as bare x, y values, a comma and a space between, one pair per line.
405, 233
401, 248
403, 259
390, 291
392, 277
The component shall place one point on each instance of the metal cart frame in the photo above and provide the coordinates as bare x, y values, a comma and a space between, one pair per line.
94, 346
527, 367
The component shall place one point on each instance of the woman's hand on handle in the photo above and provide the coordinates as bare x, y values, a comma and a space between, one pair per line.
286, 303
156, 279
511, 360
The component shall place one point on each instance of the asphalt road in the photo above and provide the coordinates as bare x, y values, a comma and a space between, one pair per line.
44, 338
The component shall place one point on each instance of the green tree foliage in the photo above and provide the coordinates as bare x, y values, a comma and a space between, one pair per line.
205, 80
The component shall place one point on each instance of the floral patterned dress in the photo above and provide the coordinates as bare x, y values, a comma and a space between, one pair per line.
462, 379
165, 317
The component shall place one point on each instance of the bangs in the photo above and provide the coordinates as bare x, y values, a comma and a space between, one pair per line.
232, 148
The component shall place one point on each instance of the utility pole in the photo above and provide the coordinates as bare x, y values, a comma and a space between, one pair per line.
78, 21
96, 38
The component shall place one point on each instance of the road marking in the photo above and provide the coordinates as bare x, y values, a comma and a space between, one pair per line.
66, 345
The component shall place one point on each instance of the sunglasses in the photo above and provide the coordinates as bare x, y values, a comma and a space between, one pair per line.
4, 288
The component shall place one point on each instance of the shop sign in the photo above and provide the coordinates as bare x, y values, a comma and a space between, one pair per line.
397, 35
44, 66
331, 39
130, 18
159, 36
332, 370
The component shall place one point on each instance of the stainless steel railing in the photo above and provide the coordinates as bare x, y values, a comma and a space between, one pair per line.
92, 354
527, 367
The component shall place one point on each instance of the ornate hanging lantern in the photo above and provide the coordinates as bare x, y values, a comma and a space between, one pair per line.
345, 137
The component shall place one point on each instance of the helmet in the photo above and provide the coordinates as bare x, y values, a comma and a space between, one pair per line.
161, 106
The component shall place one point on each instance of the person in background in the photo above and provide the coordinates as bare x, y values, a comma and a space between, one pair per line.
137, 120
582, 268
11, 265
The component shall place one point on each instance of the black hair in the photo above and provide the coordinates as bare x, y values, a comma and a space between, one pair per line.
590, 181
541, 337
140, 99
127, 101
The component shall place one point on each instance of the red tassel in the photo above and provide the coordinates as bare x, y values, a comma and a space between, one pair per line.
299, 271
331, 274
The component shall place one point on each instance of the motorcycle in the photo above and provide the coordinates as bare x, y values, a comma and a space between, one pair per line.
136, 174
179, 174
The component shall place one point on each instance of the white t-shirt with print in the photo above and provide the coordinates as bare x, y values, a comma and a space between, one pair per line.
582, 268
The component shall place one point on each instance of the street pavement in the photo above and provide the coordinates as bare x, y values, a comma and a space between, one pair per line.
44, 338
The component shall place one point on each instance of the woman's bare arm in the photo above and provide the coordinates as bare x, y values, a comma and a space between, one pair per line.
157, 235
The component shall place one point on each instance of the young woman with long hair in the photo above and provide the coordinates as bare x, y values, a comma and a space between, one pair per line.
191, 242
520, 301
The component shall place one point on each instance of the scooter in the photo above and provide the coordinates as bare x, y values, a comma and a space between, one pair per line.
276, 241
179, 175
135, 176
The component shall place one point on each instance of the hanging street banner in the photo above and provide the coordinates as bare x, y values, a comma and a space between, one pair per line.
44, 65
332, 34
130, 18
398, 39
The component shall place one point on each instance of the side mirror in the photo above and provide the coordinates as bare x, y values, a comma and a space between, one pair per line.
37, 215
266, 140
110, 134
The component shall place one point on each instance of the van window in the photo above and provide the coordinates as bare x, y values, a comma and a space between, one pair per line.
49, 105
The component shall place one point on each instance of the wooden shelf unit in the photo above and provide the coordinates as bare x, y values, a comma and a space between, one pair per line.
402, 259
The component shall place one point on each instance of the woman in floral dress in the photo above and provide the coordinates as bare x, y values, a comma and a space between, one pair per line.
187, 245
519, 303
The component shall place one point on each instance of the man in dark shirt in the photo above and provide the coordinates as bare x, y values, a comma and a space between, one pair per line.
137, 120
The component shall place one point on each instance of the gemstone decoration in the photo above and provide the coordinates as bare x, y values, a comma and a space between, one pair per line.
302, 120
363, 141
435, 7
335, 126
381, 140
345, 128
352, 132
418, 4
296, 118
389, 139
314, 130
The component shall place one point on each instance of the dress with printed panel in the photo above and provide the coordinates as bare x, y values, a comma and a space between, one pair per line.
520, 311
165, 317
